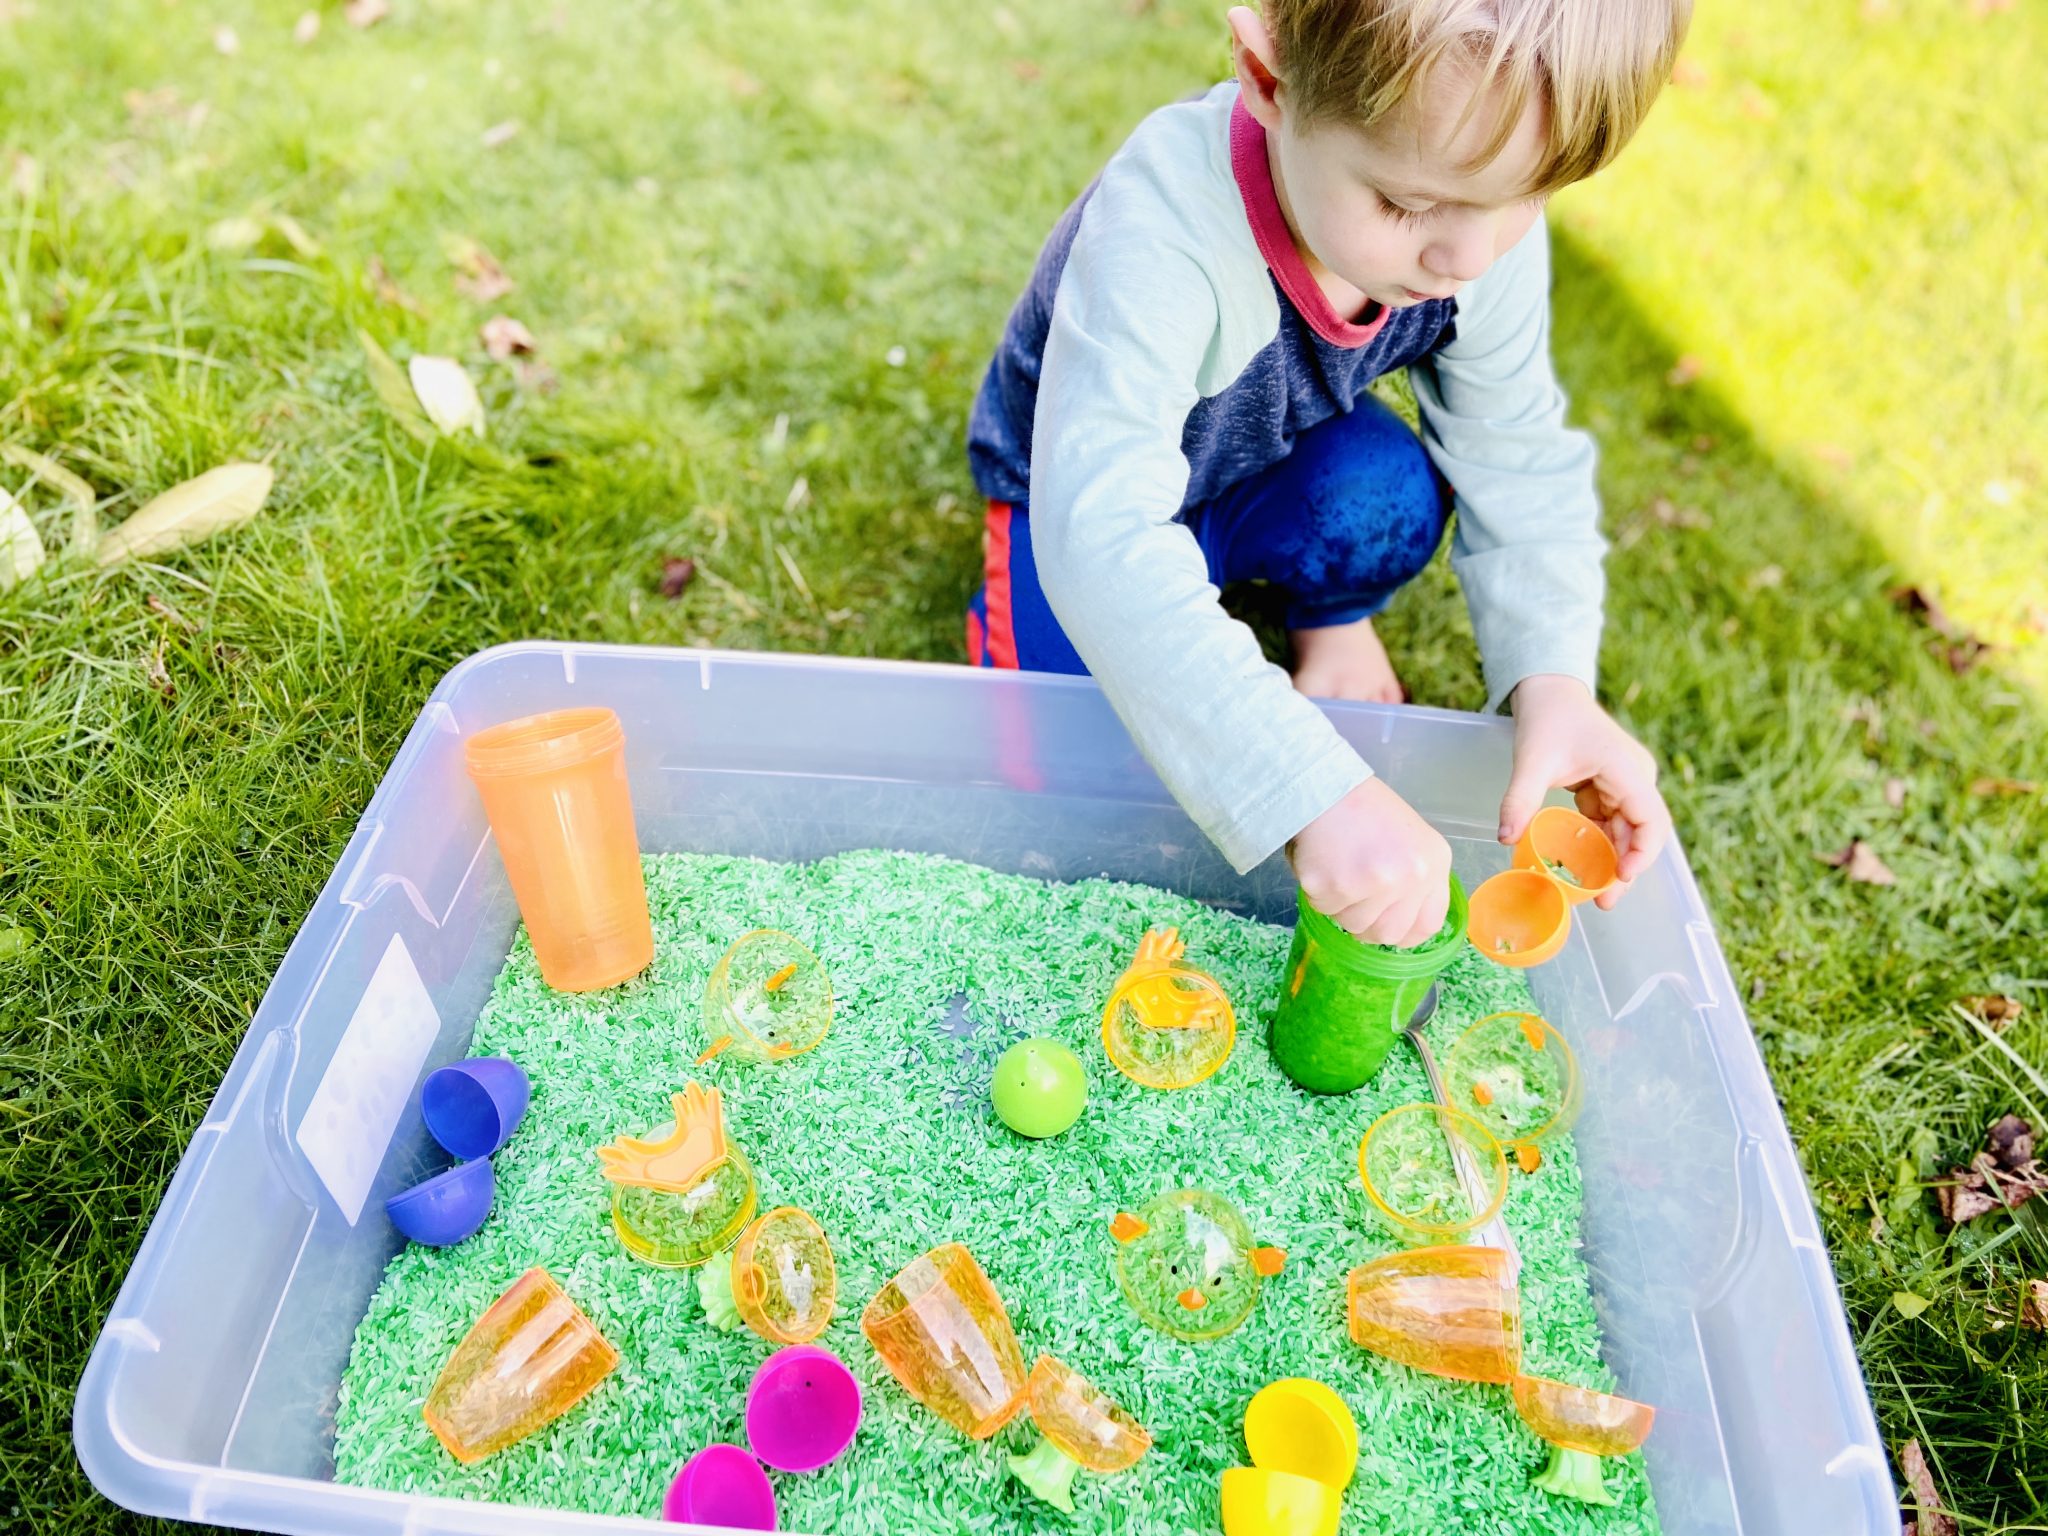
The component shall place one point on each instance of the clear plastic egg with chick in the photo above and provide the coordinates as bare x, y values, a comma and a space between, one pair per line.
768, 999
1189, 1265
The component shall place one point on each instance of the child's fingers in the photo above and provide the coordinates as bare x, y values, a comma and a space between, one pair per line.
1649, 826
1359, 918
1528, 783
1606, 900
1396, 923
1430, 911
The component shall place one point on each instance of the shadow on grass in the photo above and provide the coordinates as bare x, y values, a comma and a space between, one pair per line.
1752, 642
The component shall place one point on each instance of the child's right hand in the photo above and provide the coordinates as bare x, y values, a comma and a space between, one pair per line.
1375, 868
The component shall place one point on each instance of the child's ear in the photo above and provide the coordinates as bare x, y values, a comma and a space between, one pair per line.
1252, 51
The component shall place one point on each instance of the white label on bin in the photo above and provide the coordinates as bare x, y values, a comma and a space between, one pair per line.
355, 1109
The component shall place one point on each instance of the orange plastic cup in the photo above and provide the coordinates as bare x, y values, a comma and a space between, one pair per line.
1519, 917
1448, 1311
1082, 1420
529, 1359
1559, 841
554, 788
943, 1332
1580, 1419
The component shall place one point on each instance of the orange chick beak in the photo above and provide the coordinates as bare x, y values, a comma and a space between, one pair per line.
1193, 1299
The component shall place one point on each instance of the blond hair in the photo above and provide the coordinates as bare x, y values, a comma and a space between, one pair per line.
1595, 66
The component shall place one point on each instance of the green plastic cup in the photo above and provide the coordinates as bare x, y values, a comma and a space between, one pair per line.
1345, 1002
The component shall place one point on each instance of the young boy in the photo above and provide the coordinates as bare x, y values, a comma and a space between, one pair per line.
1179, 400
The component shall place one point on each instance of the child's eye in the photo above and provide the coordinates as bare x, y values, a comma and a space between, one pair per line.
1402, 215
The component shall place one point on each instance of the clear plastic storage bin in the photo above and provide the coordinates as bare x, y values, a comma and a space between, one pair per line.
210, 1392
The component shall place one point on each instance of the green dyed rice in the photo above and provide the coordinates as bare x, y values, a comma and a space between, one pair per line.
884, 1133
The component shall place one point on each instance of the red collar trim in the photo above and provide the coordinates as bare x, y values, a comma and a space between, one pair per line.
1254, 175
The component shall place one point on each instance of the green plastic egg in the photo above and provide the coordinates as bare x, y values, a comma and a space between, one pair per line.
1040, 1088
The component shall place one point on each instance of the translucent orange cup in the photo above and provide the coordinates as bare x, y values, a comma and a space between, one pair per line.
1448, 1311
529, 1359
1580, 1419
554, 788
943, 1332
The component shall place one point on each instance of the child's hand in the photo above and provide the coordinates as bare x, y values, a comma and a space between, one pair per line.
1563, 737
1375, 867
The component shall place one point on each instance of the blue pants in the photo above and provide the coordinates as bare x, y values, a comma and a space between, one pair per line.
1339, 525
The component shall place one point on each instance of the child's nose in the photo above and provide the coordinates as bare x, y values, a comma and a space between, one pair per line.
1462, 253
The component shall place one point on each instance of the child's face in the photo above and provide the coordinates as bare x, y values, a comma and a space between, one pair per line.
1394, 210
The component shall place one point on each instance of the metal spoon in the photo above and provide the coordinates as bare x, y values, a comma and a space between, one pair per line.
1495, 1233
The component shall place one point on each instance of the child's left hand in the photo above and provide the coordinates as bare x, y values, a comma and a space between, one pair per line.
1563, 737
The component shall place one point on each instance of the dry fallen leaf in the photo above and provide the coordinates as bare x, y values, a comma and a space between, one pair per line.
247, 231
2010, 1143
387, 290
479, 276
447, 394
1915, 600
157, 605
236, 234
1671, 515
1964, 654
1933, 1519
2034, 1305
1983, 787
677, 572
293, 233
500, 134
185, 514
307, 29
503, 337
160, 102
25, 176
1765, 577
21, 547
365, 13
1687, 369
2005, 1174
157, 674
1994, 1008
391, 386
1895, 793
83, 498
1862, 863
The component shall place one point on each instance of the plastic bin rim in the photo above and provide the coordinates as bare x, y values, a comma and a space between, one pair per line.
988, 677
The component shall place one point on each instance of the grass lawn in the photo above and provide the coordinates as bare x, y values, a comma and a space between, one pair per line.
763, 250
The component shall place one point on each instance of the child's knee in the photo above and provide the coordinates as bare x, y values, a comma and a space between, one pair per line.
1378, 515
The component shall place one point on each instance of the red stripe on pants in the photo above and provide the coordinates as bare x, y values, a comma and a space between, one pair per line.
995, 570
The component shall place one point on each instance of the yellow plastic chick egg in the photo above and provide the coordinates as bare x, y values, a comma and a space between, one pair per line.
1189, 1266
